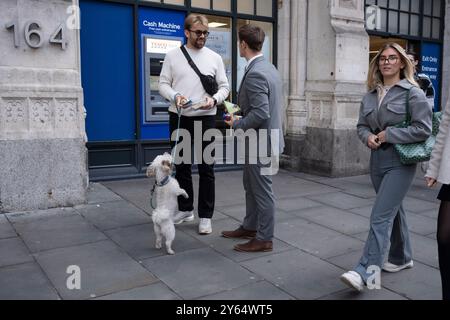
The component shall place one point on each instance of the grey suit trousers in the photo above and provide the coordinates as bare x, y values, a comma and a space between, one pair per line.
391, 181
260, 202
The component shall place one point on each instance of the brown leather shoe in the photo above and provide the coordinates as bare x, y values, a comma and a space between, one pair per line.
255, 245
239, 233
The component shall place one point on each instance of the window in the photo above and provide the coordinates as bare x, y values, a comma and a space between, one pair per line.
403, 17
267, 49
219, 5
175, 2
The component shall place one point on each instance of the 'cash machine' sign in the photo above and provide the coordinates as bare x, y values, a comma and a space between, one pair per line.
161, 22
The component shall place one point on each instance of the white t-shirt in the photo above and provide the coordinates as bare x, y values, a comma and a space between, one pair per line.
178, 77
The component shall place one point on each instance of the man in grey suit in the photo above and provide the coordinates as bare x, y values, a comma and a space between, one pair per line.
260, 99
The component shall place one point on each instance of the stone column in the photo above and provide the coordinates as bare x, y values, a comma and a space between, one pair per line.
296, 113
43, 159
446, 57
337, 60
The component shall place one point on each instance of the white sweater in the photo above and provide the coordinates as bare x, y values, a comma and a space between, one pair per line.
177, 76
439, 165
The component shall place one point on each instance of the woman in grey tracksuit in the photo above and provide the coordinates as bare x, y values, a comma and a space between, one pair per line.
391, 82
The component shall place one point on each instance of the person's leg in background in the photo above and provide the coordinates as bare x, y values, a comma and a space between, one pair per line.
443, 239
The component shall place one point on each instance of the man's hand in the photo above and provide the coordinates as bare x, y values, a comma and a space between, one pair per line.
373, 142
431, 182
209, 104
180, 101
231, 121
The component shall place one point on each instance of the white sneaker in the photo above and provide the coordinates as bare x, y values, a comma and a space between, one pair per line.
204, 226
353, 280
390, 267
183, 216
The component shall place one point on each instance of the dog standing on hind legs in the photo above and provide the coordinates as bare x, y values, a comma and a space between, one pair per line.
166, 192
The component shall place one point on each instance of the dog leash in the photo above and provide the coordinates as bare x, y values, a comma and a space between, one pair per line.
163, 183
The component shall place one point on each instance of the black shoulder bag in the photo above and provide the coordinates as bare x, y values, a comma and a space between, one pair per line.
208, 82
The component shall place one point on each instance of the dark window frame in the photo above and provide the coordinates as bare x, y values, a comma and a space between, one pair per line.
421, 14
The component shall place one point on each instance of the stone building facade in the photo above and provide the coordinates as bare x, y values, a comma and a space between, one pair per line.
321, 48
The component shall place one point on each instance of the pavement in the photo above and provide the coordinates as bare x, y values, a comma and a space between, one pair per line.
321, 226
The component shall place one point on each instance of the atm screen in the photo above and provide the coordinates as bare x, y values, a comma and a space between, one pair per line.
156, 66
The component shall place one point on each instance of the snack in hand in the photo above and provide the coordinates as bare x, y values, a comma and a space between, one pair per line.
231, 107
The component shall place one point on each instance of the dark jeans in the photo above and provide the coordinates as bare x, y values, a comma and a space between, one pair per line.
206, 192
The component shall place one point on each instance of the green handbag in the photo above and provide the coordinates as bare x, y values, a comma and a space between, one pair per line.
411, 153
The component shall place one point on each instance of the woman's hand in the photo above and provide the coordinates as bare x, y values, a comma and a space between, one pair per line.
382, 137
373, 142
431, 182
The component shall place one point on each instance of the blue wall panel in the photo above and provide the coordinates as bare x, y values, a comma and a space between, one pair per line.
107, 70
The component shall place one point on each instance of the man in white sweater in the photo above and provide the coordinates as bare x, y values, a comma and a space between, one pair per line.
179, 83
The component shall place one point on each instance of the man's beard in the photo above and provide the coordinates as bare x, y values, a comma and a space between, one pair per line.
197, 44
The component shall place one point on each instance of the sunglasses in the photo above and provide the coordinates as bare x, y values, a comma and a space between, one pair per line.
199, 33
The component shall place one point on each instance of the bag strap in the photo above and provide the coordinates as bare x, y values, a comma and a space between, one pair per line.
408, 114
191, 63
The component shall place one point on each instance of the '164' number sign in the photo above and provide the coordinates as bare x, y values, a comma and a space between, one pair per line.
33, 34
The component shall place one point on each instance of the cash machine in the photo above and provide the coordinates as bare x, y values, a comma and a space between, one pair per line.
160, 31
156, 107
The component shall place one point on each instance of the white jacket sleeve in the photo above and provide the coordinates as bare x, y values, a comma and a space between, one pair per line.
436, 156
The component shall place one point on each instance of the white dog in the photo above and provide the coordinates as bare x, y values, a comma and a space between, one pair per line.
166, 192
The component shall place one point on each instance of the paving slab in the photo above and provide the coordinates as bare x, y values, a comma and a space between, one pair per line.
376, 294
157, 291
237, 212
112, 215
225, 246
136, 191
301, 188
347, 261
365, 211
199, 273
6, 230
336, 219
341, 200
419, 283
433, 214
361, 189
296, 273
55, 228
423, 224
139, 241
104, 269
262, 290
424, 249
13, 251
420, 224
420, 192
315, 239
25, 282
98, 193
418, 205
296, 204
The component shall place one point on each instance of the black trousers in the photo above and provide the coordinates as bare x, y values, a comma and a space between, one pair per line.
206, 192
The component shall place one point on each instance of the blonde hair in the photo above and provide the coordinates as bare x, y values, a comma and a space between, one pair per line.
375, 78
195, 18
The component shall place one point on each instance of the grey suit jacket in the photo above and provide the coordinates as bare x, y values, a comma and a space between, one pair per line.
261, 101
393, 111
